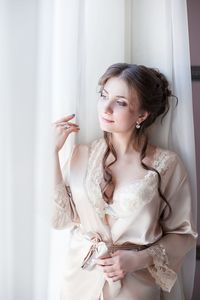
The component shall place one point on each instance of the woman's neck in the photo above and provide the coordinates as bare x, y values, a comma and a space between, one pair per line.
125, 144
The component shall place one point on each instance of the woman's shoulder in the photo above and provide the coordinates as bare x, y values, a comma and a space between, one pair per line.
93, 146
86, 154
97, 142
163, 153
167, 159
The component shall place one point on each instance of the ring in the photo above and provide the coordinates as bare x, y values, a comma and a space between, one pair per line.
66, 126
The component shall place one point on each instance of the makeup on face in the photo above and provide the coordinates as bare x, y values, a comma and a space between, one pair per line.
117, 113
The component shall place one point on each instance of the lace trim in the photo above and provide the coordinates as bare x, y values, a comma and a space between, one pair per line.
64, 208
94, 175
61, 194
132, 197
160, 271
60, 219
160, 164
136, 194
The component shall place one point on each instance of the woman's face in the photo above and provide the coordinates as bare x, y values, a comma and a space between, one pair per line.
118, 111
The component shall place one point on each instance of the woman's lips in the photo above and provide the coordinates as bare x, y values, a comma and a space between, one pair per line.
107, 121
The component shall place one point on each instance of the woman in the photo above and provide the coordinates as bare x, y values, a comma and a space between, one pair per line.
127, 202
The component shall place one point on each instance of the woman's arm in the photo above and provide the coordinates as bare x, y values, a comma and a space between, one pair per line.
57, 169
64, 212
179, 228
168, 255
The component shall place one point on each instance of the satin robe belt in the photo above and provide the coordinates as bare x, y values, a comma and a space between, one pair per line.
99, 248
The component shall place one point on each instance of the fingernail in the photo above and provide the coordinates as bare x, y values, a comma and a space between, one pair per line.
73, 115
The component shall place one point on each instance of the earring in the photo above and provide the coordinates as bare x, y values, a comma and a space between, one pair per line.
137, 125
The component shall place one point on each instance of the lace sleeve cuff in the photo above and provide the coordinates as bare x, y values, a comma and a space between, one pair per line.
160, 271
61, 195
64, 208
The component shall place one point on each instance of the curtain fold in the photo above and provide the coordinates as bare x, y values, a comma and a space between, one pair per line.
17, 148
161, 40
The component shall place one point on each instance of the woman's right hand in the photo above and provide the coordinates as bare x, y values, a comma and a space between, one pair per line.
61, 133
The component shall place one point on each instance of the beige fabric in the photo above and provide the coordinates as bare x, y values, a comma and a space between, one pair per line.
136, 212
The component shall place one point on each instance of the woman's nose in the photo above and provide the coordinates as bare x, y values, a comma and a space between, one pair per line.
108, 109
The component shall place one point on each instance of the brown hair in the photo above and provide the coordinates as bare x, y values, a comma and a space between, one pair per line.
153, 92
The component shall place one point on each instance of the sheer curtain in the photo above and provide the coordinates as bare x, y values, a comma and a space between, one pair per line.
160, 39
52, 56
17, 131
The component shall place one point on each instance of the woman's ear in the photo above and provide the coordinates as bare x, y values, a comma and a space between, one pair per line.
143, 116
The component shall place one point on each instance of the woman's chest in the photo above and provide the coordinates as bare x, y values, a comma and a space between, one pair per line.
134, 187
130, 198
126, 172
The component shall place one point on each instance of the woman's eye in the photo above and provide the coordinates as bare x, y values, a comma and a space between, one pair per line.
122, 103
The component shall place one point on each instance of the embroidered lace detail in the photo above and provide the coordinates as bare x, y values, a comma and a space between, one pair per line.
64, 208
128, 198
60, 219
163, 161
94, 175
61, 194
132, 197
160, 271
140, 192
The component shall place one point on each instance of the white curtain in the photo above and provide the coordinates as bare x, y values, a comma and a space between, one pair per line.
160, 39
52, 54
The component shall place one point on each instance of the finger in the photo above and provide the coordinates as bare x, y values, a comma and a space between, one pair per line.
105, 261
70, 130
66, 126
112, 274
66, 123
72, 124
116, 278
65, 119
116, 275
108, 269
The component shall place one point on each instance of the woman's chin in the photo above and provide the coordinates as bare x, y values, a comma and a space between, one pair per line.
106, 128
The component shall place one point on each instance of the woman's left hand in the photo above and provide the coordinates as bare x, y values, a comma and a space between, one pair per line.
120, 263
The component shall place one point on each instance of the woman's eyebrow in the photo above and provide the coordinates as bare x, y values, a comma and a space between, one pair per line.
118, 96
105, 90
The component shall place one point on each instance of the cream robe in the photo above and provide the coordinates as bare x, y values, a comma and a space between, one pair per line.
137, 212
